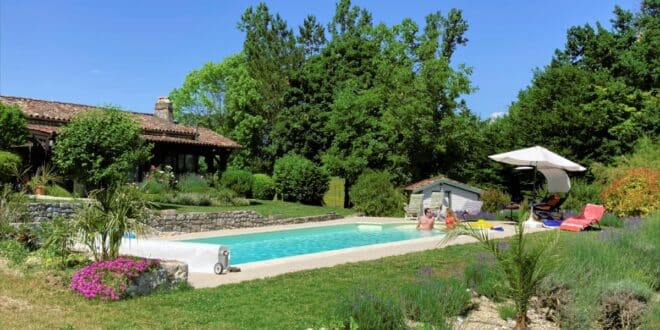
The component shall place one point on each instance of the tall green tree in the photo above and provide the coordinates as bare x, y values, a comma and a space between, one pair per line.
271, 55
598, 95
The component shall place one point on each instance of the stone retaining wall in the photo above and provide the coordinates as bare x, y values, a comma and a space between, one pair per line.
40, 212
170, 221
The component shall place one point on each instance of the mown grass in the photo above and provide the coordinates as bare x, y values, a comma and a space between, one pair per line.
589, 262
291, 301
266, 208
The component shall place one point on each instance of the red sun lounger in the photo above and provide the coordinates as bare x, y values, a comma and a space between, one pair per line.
590, 215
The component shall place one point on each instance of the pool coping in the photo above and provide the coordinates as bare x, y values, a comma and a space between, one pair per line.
274, 267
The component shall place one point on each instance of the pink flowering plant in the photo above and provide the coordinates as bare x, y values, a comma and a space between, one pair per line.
163, 175
109, 279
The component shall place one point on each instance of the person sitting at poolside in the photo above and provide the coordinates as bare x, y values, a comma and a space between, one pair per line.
426, 221
450, 219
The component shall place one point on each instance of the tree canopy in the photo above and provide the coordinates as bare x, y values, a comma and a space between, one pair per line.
356, 95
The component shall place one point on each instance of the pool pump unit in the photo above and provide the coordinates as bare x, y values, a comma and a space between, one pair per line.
223, 260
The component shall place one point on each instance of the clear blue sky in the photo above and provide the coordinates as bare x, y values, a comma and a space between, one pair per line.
130, 52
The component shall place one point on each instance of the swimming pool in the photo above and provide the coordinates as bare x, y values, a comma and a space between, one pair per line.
284, 243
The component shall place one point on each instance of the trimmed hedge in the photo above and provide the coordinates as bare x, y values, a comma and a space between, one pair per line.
297, 179
263, 187
239, 181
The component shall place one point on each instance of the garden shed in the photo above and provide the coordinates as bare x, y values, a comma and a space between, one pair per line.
177, 145
456, 194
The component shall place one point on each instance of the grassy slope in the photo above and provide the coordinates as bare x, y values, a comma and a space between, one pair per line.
288, 210
291, 301
303, 299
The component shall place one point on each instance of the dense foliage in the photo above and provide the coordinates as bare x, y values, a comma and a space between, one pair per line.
494, 200
599, 94
263, 187
14, 126
9, 165
359, 95
374, 195
297, 179
636, 193
239, 181
100, 148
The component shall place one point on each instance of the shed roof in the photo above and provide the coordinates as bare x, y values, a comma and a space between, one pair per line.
47, 116
423, 184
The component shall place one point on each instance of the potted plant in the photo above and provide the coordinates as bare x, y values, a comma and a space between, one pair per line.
45, 175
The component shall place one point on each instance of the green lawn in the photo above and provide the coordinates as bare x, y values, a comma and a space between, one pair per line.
307, 299
266, 208
291, 301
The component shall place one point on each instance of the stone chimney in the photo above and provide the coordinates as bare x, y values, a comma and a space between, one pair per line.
163, 109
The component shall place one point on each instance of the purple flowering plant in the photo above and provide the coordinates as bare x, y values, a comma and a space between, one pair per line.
109, 279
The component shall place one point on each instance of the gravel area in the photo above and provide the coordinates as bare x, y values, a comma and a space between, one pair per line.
486, 317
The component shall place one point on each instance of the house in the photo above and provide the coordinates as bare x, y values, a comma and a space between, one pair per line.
179, 146
456, 194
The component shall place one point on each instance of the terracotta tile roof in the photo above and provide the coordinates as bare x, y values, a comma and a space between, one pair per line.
420, 185
48, 115
42, 128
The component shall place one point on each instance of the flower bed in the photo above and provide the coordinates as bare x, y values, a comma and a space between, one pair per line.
109, 280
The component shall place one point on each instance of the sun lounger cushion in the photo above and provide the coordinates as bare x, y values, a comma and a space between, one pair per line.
590, 215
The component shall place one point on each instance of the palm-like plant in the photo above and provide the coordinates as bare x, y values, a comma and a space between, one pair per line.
102, 224
44, 176
525, 265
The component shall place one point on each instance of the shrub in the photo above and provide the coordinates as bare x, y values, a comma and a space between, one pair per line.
263, 187
152, 186
58, 236
13, 206
433, 300
100, 148
57, 191
223, 195
494, 200
623, 305
374, 194
611, 220
162, 175
14, 126
192, 183
191, 199
14, 251
239, 181
366, 309
109, 280
9, 165
582, 193
297, 179
636, 193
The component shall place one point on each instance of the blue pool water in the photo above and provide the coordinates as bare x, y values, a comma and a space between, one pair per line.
277, 244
